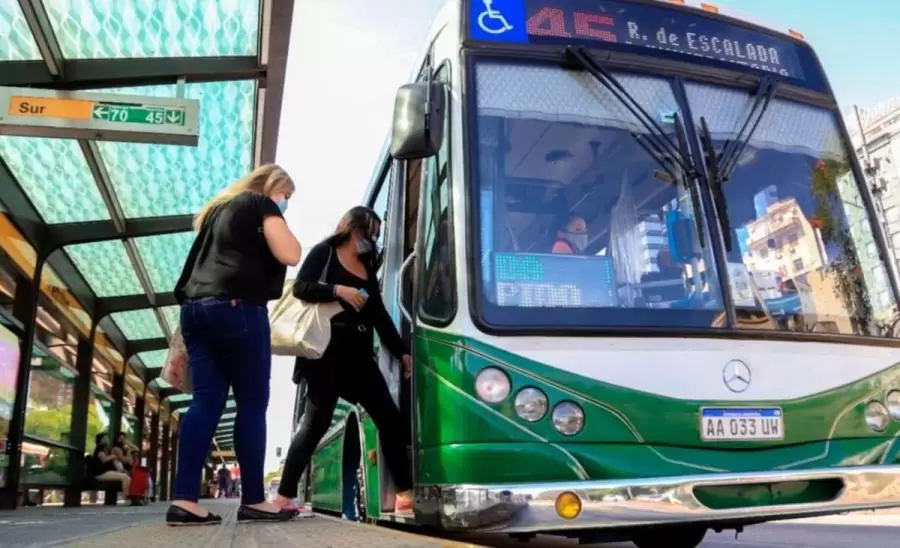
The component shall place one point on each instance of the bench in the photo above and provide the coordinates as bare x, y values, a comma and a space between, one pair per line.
111, 489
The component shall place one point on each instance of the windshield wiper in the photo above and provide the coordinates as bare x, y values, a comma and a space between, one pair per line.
656, 142
656, 138
721, 166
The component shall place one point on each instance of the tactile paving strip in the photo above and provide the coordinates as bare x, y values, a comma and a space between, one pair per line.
318, 531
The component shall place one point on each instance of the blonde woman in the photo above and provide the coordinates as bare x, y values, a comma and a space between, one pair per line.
236, 265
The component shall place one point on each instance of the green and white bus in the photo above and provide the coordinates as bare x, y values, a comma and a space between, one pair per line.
717, 349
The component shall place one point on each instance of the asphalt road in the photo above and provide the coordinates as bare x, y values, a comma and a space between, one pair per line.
863, 530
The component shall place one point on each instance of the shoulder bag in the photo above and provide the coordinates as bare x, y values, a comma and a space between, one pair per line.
299, 328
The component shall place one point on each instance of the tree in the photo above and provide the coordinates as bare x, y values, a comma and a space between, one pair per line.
55, 425
850, 285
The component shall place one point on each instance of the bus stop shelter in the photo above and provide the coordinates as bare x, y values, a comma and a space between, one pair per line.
94, 232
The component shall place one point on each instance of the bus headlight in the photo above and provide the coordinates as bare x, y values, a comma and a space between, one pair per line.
877, 416
531, 404
492, 385
568, 418
893, 404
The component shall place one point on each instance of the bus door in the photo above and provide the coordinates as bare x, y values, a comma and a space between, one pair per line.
417, 283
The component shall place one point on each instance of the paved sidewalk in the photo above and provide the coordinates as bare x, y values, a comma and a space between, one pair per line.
143, 527
52, 526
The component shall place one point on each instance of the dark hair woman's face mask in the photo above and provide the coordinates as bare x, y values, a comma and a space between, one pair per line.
365, 246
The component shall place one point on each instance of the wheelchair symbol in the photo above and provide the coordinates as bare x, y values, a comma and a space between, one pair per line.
492, 21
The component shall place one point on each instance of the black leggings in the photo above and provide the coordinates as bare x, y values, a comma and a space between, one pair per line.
372, 393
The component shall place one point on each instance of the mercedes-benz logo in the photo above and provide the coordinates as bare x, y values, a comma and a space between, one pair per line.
736, 375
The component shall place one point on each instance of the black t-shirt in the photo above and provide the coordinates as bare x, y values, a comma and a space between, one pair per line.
230, 257
97, 466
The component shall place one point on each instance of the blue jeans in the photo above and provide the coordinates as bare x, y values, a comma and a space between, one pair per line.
228, 346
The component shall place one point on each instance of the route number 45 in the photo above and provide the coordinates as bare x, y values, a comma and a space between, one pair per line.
156, 117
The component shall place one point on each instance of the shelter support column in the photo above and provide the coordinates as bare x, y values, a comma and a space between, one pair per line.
164, 467
81, 402
173, 457
25, 305
153, 457
118, 395
139, 410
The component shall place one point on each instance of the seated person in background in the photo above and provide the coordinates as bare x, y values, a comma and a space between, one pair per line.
124, 452
103, 463
573, 239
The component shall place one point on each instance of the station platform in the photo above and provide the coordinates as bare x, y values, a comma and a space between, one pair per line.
143, 526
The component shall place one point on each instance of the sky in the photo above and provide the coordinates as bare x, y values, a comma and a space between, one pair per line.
347, 57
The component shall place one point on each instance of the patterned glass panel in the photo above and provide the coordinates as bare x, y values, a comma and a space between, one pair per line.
120, 29
106, 268
172, 314
138, 324
164, 257
153, 359
178, 398
16, 41
159, 180
55, 176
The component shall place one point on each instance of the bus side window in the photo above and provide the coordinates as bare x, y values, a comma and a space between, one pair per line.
437, 302
380, 206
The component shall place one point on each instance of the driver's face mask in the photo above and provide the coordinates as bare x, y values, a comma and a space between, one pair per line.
579, 240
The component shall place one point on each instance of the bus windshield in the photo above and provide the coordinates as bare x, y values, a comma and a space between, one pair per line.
585, 222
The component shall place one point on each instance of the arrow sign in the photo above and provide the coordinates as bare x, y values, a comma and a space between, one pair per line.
175, 117
32, 112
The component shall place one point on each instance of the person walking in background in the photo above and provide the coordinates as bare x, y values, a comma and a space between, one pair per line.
236, 265
349, 261
224, 477
236, 481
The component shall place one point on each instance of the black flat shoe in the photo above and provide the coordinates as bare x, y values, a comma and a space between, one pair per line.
245, 513
179, 517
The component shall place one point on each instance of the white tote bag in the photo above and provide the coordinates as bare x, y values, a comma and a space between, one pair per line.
299, 328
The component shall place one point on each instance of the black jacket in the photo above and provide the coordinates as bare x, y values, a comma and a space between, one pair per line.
307, 287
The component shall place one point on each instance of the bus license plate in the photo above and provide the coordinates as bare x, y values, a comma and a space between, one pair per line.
741, 423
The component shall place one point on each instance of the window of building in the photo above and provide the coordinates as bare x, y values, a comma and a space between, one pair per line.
798, 265
871, 249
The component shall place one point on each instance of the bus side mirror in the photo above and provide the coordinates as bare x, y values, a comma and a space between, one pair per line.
418, 127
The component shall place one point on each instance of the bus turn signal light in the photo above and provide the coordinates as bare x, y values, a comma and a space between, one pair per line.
796, 34
710, 7
568, 505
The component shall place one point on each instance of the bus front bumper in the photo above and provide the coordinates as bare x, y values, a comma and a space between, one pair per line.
653, 501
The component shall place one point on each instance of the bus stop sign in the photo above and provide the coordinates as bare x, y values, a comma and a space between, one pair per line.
98, 116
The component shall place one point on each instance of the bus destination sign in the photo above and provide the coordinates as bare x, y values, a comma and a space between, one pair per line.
632, 25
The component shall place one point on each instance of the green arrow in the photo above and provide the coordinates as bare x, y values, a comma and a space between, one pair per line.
100, 112
174, 116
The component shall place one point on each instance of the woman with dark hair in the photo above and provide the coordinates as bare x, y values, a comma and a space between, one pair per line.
349, 260
103, 463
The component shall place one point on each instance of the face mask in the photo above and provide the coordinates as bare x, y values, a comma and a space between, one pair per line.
282, 204
364, 246
579, 240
